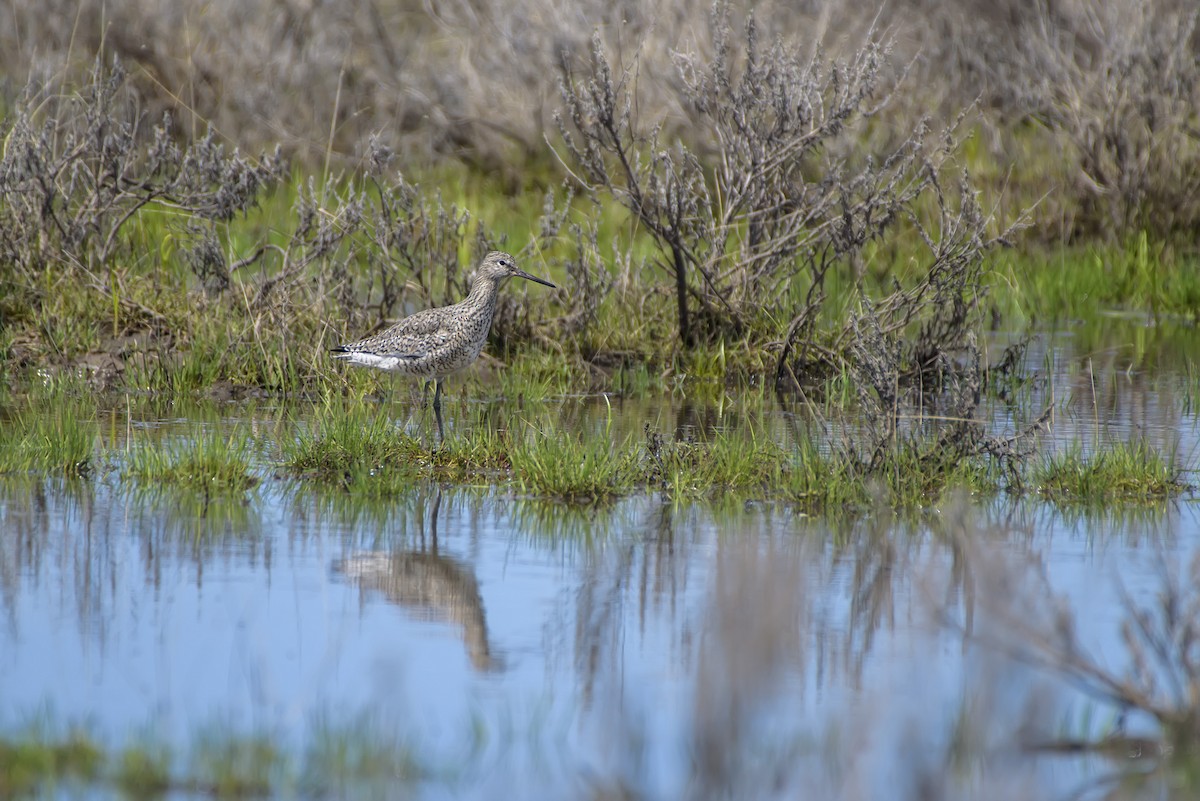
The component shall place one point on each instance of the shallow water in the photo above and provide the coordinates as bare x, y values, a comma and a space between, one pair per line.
530, 648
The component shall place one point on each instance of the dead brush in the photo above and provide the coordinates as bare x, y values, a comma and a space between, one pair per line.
784, 198
77, 170
78, 166
914, 354
770, 196
1117, 84
470, 80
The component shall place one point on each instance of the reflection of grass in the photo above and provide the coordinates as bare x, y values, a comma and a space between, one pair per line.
37, 759
341, 760
142, 770
356, 755
228, 765
190, 514
213, 461
1117, 473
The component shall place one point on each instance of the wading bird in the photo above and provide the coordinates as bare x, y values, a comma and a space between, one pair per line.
434, 343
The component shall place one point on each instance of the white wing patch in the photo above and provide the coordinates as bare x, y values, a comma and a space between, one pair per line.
381, 361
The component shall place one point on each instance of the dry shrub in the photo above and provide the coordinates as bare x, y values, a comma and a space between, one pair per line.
1115, 83
781, 200
1118, 85
771, 193
471, 79
77, 170
310, 76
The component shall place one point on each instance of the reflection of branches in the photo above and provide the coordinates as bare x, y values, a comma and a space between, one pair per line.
649, 573
873, 594
753, 633
77, 520
26, 526
1021, 618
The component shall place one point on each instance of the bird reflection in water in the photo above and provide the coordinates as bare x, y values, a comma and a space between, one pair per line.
430, 585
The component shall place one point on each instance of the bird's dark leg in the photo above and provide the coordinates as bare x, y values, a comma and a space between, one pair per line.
420, 410
437, 408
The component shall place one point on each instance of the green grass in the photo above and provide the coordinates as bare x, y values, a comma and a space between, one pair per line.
481, 453
1071, 282
177, 337
544, 448
738, 460
349, 435
278, 346
817, 483
571, 467
214, 460
58, 440
1120, 473
353, 444
538, 375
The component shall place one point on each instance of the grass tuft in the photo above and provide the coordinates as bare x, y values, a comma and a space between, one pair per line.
352, 759
60, 441
210, 461
230, 766
483, 452
573, 467
1121, 472
817, 483
348, 445
731, 460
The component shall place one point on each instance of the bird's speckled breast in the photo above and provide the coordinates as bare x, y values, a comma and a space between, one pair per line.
455, 350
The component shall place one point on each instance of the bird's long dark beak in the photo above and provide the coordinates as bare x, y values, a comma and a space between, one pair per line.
534, 278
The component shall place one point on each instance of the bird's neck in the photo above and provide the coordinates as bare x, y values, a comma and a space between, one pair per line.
483, 292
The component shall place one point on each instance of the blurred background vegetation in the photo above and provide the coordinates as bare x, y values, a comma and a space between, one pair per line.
698, 177
1093, 104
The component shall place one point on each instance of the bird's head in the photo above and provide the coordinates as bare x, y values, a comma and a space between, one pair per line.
498, 266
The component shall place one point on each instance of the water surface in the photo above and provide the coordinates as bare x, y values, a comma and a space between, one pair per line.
527, 647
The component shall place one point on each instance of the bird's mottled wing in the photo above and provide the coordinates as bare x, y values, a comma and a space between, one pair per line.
411, 338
